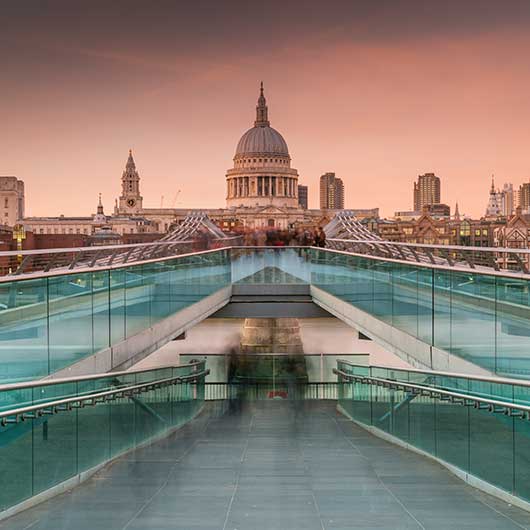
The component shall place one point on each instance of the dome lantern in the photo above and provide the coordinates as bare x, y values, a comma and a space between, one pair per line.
262, 112
262, 139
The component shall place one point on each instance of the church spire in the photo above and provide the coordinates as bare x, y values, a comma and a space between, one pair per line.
130, 161
130, 198
457, 213
262, 112
100, 206
492, 184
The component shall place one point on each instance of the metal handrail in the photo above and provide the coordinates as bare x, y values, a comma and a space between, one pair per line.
66, 404
484, 378
436, 246
93, 266
492, 405
65, 271
93, 258
63, 380
63, 250
482, 270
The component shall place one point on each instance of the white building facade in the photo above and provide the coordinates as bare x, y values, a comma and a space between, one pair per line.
89, 225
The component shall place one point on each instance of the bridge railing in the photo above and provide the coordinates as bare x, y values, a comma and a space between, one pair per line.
70, 428
28, 263
479, 315
52, 320
493, 259
479, 436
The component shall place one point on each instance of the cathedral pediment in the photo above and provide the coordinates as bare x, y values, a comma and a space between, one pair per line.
272, 210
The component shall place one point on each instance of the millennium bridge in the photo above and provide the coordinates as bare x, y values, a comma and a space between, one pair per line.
264, 439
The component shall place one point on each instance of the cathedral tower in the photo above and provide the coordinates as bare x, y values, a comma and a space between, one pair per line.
130, 198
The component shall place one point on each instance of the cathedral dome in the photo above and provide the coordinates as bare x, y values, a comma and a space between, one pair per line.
262, 139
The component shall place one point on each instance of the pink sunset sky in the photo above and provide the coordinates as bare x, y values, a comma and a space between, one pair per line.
377, 95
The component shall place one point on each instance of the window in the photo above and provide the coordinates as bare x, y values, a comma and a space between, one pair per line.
6, 203
41, 231
78, 230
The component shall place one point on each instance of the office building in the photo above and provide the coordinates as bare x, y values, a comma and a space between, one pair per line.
331, 192
302, 196
524, 197
426, 191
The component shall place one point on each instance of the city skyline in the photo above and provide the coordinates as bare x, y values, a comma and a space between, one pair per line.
376, 96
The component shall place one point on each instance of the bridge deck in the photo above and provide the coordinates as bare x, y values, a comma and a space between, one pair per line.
272, 465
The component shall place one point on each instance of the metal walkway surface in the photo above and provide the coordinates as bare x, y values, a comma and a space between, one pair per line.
271, 465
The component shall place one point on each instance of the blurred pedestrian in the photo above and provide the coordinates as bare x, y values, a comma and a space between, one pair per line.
320, 238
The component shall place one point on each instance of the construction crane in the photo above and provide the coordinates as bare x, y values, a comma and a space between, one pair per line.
173, 202
175, 199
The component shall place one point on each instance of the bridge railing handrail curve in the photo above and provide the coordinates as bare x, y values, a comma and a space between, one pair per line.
493, 405
52, 407
473, 377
